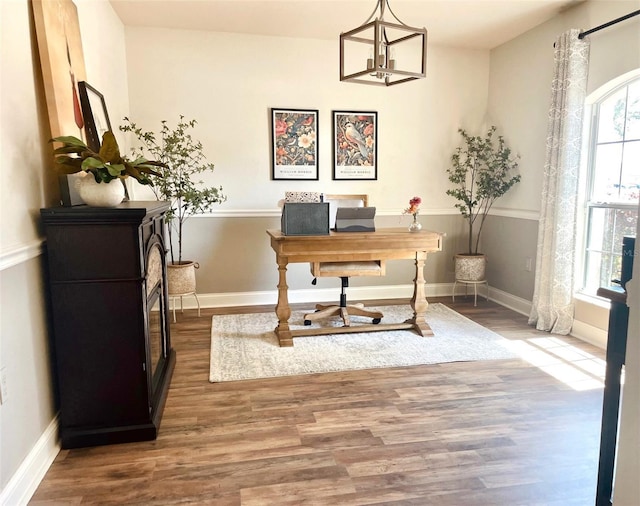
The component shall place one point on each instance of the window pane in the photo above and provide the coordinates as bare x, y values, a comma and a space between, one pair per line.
592, 272
604, 251
612, 117
630, 183
598, 224
606, 180
633, 112
614, 174
625, 224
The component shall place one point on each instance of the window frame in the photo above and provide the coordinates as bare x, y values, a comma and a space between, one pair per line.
591, 127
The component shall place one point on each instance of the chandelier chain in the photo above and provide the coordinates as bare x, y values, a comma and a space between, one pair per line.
381, 6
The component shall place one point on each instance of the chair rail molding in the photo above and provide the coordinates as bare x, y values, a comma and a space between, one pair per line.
522, 214
20, 253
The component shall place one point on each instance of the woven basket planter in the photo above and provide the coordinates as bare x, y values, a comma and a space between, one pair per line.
470, 267
182, 278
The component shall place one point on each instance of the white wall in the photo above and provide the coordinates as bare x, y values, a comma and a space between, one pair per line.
228, 82
520, 82
103, 43
27, 415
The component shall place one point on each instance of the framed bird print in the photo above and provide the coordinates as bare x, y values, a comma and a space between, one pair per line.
355, 145
294, 144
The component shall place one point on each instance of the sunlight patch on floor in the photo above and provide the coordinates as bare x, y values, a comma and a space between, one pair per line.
576, 368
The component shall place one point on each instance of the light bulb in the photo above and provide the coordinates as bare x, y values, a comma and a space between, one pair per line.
392, 58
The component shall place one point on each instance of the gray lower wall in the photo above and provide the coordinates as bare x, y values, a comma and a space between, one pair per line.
25, 356
508, 242
235, 254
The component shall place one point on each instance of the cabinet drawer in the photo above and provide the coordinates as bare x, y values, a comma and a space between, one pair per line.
85, 252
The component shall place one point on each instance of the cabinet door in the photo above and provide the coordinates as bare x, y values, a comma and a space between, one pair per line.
158, 342
100, 353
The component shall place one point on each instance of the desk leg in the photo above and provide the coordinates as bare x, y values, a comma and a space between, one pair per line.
283, 311
419, 302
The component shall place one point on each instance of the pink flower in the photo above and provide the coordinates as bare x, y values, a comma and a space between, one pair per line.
281, 127
414, 206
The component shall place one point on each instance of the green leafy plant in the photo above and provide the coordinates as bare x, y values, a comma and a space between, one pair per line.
182, 159
105, 165
480, 172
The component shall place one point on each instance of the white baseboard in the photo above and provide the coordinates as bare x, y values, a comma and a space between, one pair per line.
583, 331
26, 479
310, 295
517, 304
590, 334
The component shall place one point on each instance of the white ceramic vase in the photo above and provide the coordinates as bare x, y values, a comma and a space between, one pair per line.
100, 194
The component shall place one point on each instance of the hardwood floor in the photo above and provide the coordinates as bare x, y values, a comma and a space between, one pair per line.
500, 432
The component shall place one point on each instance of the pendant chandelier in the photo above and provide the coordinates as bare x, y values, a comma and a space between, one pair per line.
381, 53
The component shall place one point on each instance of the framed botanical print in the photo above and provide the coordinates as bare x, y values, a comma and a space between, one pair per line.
96, 118
294, 144
355, 145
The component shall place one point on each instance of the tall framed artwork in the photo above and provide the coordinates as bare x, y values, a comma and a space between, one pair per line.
62, 61
294, 144
355, 145
94, 111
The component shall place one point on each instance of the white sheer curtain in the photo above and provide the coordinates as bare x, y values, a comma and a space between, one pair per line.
553, 293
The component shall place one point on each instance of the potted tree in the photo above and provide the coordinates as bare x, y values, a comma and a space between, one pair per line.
183, 159
103, 184
481, 171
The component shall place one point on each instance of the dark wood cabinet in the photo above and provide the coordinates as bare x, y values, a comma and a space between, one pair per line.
111, 338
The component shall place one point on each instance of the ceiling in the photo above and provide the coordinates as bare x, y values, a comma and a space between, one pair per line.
482, 24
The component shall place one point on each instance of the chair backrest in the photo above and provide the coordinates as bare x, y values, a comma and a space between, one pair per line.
343, 200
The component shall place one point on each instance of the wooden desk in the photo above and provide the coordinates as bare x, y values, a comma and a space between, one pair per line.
383, 244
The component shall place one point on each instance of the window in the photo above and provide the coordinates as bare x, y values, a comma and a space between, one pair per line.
613, 183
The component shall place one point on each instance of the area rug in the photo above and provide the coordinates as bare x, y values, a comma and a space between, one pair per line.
245, 347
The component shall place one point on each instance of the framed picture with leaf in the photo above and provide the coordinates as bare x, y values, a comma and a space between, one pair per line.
294, 144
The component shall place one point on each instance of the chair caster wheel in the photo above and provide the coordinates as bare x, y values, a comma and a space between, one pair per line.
376, 321
307, 322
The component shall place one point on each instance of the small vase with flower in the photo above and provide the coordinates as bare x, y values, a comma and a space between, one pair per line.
414, 210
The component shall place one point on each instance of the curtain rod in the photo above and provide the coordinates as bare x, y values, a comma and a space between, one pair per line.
582, 35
